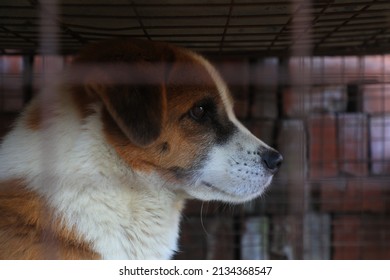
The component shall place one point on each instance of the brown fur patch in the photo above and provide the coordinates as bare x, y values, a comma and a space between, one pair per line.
28, 229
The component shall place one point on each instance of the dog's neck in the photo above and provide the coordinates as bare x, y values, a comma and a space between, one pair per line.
123, 221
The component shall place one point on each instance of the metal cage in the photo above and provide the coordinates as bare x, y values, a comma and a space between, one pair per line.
309, 77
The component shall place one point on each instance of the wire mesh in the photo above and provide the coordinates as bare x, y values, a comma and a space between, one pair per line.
326, 109
219, 27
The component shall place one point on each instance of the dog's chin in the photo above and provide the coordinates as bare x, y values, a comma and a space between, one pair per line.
208, 191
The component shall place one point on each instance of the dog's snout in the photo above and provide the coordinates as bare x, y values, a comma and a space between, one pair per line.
272, 160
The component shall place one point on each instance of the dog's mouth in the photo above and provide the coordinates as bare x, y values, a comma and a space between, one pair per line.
236, 196
225, 189
211, 186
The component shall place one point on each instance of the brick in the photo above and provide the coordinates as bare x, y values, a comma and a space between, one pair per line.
322, 146
264, 81
361, 237
317, 99
264, 103
380, 145
346, 240
292, 144
376, 197
352, 143
333, 69
376, 98
375, 234
373, 66
368, 195
331, 196
352, 68
11, 65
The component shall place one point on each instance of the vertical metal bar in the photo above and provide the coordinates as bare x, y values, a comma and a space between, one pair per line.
49, 49
237, 229
300, 83
28, 63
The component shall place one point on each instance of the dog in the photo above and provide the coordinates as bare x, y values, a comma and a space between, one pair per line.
102, 169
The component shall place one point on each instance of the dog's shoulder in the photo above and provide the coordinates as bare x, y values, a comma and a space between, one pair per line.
29, 230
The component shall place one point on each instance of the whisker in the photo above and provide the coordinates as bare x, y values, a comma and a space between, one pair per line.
201, 220
232, 158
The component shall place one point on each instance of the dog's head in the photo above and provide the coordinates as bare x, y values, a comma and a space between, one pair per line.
167, 111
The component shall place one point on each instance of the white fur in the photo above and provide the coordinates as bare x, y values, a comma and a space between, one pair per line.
233, 173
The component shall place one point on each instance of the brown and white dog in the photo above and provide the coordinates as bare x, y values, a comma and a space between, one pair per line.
102, 170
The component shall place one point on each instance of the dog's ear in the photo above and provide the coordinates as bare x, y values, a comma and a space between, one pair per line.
137, 110
134, 96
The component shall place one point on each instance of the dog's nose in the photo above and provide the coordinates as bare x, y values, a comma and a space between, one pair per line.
272, 160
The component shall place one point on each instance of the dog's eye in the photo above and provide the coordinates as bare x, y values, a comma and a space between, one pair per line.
198, 113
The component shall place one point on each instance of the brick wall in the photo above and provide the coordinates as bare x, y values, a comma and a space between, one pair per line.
348, 155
